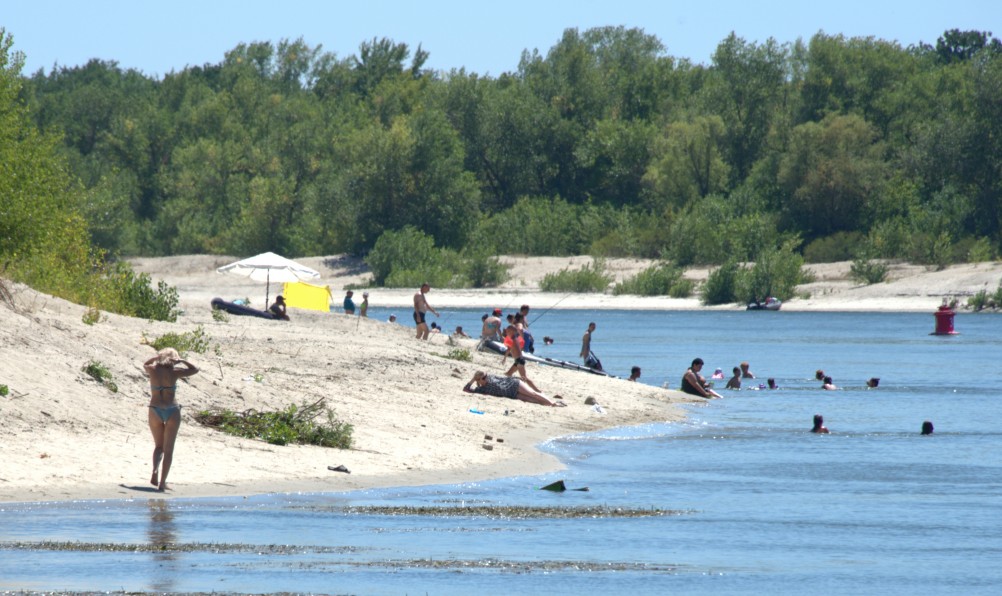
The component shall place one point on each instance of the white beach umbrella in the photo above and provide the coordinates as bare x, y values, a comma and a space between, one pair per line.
269, 266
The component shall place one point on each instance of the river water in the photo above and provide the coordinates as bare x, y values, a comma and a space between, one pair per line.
737, 499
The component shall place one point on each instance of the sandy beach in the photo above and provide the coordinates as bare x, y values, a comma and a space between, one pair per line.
65, 436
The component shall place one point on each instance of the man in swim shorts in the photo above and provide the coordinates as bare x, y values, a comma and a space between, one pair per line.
421, 308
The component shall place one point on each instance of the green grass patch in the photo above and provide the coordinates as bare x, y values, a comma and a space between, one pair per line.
461, 354
100, 373
295, 424
191, 341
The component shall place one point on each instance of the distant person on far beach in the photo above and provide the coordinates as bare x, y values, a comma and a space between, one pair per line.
819, 425
349, 303
164, 415
363, 309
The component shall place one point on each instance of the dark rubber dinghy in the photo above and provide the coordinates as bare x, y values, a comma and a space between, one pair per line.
241, 310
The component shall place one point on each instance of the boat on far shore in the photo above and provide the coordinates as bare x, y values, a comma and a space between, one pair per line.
769, 304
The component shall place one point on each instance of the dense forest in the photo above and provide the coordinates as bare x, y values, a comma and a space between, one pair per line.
606, 145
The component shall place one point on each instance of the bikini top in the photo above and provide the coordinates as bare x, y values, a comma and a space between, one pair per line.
161, 388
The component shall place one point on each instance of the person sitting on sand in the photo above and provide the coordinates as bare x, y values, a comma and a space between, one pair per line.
278, 308
164, 415
491, 329
509, 387
819, 425
459, 332
735, 381
694, 384
828, 385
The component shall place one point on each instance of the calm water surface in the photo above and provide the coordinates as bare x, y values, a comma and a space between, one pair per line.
763, 506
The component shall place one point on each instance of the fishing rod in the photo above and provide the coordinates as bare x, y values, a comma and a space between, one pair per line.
540, 316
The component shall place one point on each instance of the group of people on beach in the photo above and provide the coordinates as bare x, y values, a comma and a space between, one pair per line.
517, 341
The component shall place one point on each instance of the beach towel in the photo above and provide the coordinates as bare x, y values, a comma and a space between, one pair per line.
300, 294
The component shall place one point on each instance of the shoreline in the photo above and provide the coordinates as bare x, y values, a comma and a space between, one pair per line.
66, 437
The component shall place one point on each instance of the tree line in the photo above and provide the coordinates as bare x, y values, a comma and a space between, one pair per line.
835, 148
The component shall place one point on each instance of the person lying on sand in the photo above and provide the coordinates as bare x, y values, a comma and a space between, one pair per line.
510, 387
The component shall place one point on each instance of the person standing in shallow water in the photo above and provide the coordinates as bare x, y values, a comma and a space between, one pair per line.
164, 413
927, 427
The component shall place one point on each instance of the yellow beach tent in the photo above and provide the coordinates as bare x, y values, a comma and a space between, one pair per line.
303, 295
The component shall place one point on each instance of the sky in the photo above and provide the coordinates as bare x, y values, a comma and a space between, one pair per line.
486, 38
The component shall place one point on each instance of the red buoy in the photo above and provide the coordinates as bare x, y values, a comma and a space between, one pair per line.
944, 320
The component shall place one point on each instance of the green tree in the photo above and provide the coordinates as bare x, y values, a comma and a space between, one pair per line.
829, 172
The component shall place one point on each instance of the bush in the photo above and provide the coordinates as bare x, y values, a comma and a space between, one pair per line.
483, 270
979, 301
4, 390
91, 316
590, 278
281, 427
867, 271
841, 246
777, 272
721, 285
408, 258
100, 373
660, 279
192, 341
139, 299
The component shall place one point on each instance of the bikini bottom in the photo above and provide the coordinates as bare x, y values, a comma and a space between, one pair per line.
165, 412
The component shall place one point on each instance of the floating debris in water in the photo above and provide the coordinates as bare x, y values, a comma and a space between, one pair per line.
505, 511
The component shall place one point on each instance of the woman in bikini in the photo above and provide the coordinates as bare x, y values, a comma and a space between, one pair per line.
164, 412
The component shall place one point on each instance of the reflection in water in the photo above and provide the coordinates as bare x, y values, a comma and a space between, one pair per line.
162, 533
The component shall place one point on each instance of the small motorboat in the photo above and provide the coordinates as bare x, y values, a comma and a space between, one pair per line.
769, 304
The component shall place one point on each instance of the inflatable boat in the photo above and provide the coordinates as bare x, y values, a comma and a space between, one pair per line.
241, 310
